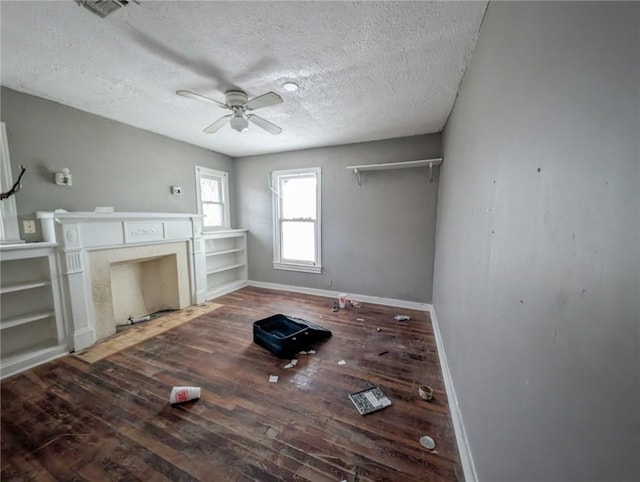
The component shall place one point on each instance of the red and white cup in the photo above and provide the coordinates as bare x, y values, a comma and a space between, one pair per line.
184, 394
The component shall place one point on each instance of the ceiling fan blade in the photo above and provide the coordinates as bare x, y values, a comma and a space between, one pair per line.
216, 125
202, 98
265, 124
270, 98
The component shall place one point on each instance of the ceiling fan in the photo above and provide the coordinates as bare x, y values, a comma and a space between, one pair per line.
238, 103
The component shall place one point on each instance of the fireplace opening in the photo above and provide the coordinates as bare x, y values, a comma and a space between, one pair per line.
144, 286
136, 282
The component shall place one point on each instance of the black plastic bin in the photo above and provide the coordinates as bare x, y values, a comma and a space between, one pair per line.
285, 336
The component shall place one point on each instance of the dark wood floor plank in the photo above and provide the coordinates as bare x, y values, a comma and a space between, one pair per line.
111, 420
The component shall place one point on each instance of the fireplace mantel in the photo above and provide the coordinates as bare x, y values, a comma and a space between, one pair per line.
77, 233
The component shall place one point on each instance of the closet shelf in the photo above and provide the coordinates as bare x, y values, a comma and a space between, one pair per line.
357, 170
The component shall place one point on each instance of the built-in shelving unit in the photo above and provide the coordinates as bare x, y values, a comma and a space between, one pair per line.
358, 170
226, 257
31, 328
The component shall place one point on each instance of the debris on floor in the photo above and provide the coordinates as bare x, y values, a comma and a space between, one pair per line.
425, 392
427, 442
184, 394
401, 318
382, 353
378, 329
355, 304
291, 364
335, 308
273, 378
342, 362
140, 319
311, 352
359, 319
302, 353
369, 400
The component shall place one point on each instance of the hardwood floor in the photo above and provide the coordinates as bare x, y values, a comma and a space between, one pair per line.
111, 420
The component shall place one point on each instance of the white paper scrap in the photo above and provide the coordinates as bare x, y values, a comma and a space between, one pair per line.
288, 365
311, 352
372, 399
294, 362
359, 319
342, 362
273, 378
302, 353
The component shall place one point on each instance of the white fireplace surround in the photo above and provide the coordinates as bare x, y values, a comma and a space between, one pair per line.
79, 233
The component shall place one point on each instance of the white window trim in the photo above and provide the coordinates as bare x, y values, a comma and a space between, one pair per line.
278, 263
206, 171
9, 231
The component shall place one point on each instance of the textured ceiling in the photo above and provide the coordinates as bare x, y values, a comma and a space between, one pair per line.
370, 70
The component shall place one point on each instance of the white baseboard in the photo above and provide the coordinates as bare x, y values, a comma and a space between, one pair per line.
411, 305
464, 449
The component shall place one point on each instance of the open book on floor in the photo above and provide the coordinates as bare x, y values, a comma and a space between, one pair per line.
369, 400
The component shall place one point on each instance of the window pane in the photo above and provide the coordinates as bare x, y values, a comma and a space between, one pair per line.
298, 241
210, 189
298, 197
212, 214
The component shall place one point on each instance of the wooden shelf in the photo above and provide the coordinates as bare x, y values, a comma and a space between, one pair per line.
226, 251
233, 274
386, 166
31, 324
225, 268
225, 288
24, 286
23, 359
23, 319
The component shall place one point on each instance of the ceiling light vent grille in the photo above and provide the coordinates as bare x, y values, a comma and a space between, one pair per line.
102, 8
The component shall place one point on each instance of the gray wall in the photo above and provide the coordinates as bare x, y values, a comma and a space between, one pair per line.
112, 164
536, 275
377, 239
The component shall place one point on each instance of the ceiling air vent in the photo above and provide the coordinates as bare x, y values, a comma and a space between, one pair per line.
102, 8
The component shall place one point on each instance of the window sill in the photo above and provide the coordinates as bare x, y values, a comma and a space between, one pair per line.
304, 268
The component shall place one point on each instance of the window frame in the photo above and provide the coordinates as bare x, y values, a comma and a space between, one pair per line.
9, 230
202, 171
278, 261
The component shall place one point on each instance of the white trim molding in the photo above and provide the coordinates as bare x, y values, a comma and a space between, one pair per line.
9, 231
468, 467
410, 305
277, 178
223, 176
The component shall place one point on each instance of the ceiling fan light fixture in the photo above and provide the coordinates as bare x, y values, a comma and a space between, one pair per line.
290, 86
239, 123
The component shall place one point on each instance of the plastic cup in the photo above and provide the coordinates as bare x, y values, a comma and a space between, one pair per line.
342, 300
184, 394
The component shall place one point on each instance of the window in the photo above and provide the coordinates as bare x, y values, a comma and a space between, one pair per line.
296, 206
212, 188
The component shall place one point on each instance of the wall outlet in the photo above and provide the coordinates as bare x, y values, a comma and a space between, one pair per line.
176, 190
29, 227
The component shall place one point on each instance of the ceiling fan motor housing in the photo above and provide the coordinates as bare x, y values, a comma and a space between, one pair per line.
235, 98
